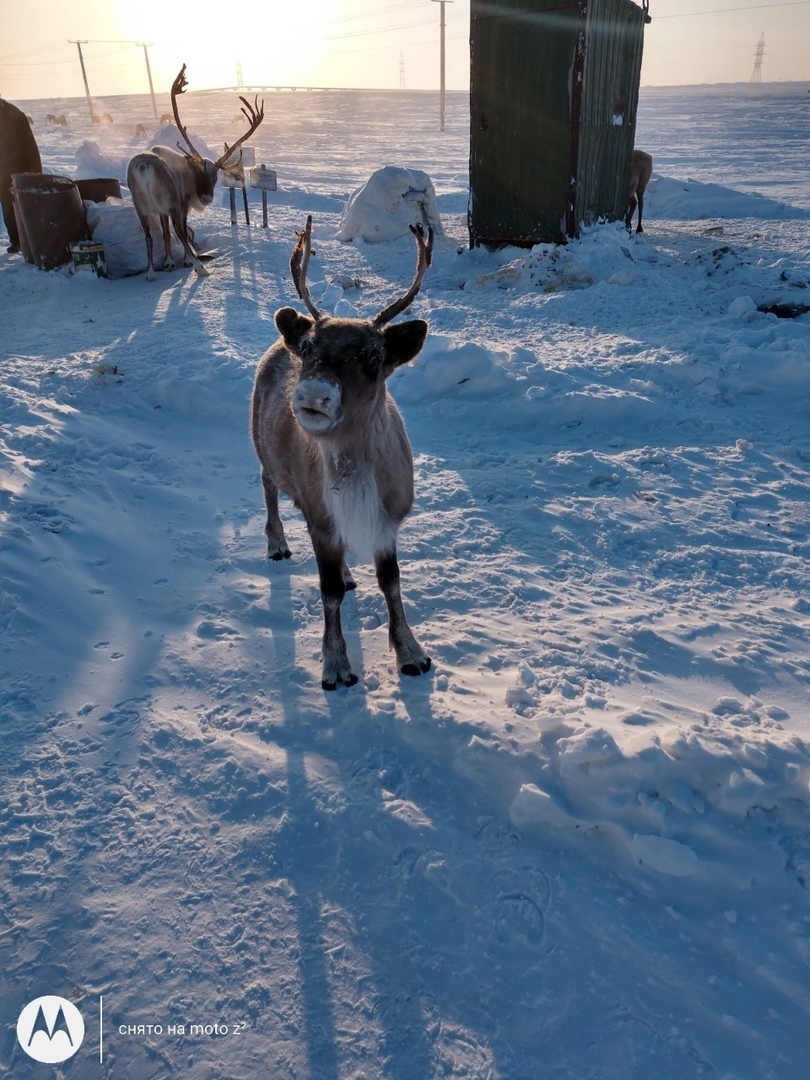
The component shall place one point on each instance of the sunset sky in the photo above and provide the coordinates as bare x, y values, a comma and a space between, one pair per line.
350, 43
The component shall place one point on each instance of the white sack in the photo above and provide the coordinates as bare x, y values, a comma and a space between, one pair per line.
114, 223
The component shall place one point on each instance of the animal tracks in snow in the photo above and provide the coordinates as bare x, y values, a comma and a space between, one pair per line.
524, 893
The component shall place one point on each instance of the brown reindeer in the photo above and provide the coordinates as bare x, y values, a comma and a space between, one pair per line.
19, 153
140, 131
640, 173
329, 435
168, 184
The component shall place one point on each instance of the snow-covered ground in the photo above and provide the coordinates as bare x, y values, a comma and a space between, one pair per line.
578, 847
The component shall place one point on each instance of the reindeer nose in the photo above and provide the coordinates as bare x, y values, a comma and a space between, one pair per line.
317, 399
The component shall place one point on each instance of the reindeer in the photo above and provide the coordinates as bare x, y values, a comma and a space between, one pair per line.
328, 434
19, 153
166, 183
166, 118
140, 131
640, 173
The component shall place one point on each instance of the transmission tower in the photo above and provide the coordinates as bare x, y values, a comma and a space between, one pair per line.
402, 71
756, 74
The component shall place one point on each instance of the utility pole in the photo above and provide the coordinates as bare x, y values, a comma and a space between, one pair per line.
441, 61
145, 46
78, 45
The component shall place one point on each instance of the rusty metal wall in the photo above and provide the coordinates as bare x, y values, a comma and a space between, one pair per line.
550, 148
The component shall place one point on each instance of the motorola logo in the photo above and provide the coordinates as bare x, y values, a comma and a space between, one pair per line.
50, 1029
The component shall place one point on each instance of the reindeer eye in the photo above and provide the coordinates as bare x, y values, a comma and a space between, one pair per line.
369, 360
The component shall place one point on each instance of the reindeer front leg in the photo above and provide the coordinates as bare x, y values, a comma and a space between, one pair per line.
336, 667
411, 658
181, 229
273, 529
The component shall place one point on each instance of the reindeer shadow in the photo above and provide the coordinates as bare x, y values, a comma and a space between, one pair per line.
394, 857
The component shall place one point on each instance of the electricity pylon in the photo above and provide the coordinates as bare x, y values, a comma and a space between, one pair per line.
756, 74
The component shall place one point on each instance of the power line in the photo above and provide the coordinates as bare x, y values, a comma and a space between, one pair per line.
724, 11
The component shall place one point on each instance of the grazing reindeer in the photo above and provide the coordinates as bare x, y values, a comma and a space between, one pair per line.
328, 434
640, 173
166, 118
166, 183
19, 153
140, 131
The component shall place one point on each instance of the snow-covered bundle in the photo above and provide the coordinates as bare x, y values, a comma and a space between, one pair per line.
389, 202
115, 224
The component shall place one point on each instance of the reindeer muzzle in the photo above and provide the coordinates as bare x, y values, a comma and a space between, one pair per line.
317, 405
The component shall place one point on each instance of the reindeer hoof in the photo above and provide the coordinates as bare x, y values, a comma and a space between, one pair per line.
416, 669
277, 556
350, 680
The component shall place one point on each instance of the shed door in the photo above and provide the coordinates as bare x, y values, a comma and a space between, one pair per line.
520, 121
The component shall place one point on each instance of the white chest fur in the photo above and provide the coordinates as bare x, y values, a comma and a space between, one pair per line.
353, 500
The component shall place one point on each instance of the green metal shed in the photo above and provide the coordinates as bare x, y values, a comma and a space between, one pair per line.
553, 100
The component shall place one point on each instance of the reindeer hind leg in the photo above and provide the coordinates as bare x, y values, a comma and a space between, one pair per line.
147, 232
631, 209
167, 243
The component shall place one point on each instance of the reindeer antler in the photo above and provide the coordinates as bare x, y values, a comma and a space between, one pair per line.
299, 261
423, 261
254, 114
179, 87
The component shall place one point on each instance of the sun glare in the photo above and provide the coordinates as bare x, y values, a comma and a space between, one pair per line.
271, 43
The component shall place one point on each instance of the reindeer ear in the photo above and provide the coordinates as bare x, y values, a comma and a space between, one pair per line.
292, 326
403, 341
